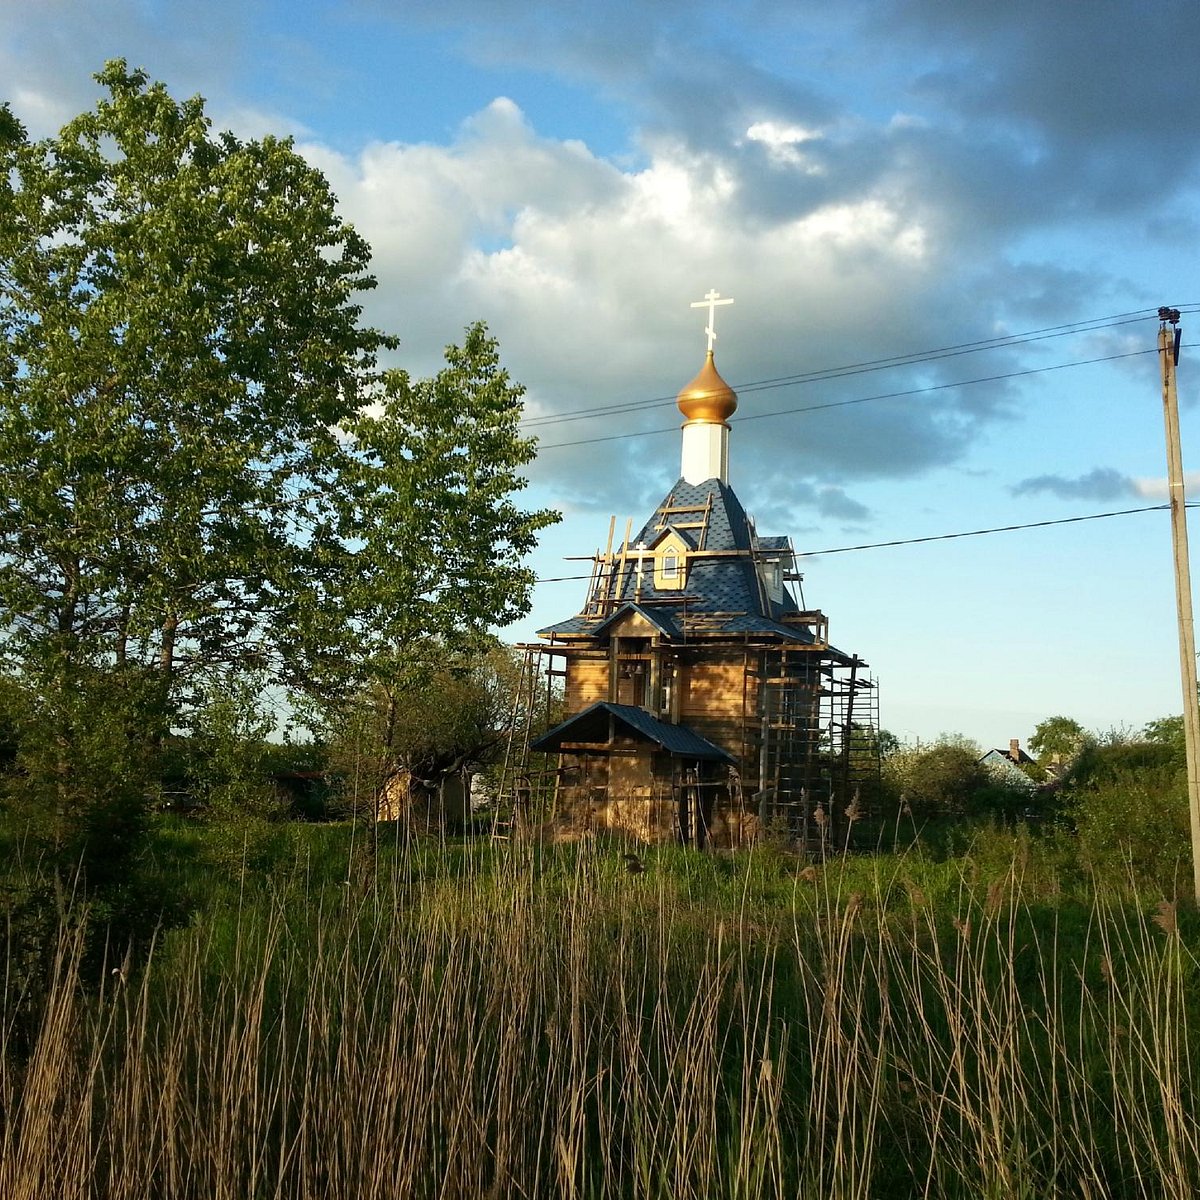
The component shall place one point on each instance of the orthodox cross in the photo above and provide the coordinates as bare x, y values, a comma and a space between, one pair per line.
711, 301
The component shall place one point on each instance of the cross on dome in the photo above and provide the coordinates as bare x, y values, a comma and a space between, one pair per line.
711, 301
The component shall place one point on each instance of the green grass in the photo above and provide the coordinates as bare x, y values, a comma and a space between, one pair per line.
470, 1019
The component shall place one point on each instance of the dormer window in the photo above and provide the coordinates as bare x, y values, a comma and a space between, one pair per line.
771, 574
670, 563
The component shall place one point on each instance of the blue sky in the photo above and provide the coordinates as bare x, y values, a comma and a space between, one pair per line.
878, 179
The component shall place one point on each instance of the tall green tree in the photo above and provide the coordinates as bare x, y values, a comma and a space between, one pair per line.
203, 465
182, 338
201, 462
426, 551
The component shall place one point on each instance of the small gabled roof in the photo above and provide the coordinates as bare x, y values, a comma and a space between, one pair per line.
592, 725
572, 625
996, 754
660, 620
686, 536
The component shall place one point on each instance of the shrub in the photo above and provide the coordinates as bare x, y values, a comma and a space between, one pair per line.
938, 782
1131, 819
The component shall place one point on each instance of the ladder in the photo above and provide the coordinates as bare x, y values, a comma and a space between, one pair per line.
670, 508
513, 788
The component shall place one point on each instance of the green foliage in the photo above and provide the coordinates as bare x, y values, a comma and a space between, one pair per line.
1100, 764
228, 772
450, 711
1127, 801
206, 481
430, 545
942, 780
75, 793
888, 743
1058, 740
228, 750
1132, 827
181, 338
200, 463
74, 820
1167, 731
11, 130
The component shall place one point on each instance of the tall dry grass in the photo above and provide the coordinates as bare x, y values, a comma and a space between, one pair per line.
541, 1025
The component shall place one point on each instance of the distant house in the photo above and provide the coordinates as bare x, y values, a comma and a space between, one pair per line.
1005, 765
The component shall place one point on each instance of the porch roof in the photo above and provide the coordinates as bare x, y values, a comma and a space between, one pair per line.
592, 725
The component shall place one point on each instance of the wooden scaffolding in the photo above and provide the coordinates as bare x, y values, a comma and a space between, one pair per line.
799, 716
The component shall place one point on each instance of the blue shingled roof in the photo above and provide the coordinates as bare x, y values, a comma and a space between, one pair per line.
592, 725
714, 585
572, 625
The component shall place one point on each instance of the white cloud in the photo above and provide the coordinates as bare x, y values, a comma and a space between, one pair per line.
585, 272
773, 133
783, 141
846, 226
1158, 489
40, 111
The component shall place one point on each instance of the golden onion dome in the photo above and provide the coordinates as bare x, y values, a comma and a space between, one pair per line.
708, 397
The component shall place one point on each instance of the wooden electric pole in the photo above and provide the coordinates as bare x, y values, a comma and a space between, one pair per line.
1169, 335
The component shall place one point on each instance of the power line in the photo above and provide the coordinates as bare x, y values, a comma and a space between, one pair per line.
945, 537
782, 412
1092, 325
943, 387
911, 359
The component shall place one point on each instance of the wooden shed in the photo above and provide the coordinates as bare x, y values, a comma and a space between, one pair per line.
624, 770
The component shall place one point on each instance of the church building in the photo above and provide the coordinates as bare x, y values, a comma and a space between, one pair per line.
706, 705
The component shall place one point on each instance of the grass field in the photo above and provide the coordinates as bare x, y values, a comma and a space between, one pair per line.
510, 1020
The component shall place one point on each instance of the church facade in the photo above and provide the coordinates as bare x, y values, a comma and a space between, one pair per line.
705, 704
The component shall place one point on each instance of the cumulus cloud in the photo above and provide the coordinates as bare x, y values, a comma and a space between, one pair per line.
1019, 112
584, 270
1158, 489
1102, 483
848, 228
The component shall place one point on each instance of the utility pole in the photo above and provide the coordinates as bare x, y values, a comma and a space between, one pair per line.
1169, 335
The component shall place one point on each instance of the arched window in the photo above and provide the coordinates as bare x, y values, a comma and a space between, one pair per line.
670, 565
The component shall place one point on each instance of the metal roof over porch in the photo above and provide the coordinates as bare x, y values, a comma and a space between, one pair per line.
593, 725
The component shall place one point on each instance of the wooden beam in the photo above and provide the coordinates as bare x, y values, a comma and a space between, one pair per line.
603, 747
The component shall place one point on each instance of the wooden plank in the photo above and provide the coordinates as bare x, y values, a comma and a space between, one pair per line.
707, 515
601, 747
615, 583
608, 562
587, 682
